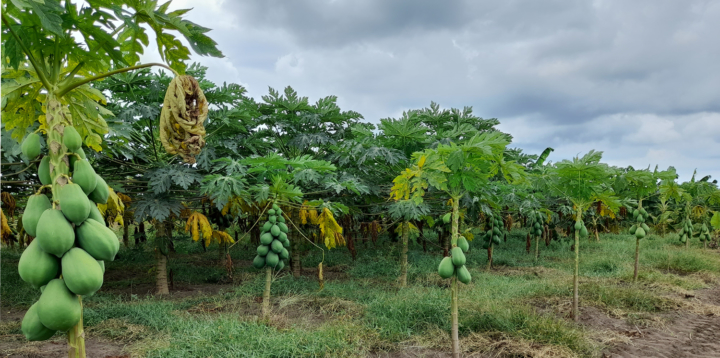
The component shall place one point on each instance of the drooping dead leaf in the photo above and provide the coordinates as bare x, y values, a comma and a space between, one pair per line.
196, 224
181, 120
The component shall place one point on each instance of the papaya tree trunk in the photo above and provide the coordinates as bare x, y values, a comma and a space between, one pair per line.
576, 297
76, 337
637, 258
161, 278
537, 247
404, 255
455, 287
295, 263
597, 236
126, 233
266, 294
490, 256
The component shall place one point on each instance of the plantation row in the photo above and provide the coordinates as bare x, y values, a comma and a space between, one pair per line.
95, 144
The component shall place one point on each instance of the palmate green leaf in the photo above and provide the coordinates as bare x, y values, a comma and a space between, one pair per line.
220, 189
407, 210
158, 207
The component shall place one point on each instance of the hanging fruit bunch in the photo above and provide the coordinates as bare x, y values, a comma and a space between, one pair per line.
704, 234
66, 259
181, 121
686, 231
455, 263
640, 229
581, 229
274, 242
535, 221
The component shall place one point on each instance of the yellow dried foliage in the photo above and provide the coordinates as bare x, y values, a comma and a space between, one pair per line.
308, 214
237, 206
113, 209
329, 228
5, 232
196, 224
124, 198
181, 120
221, 237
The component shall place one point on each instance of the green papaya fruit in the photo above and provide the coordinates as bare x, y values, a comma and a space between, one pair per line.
58, 308
578, 225
272, 259
275, 207
640, 219
633, 229
32, 328
284, 254
496, 240
266, 227
486, 245
537, 226
44, 171
84, 175
283, 227
36, 266
640, 233
538, 232
643, 212
645, 227
458, 257
496, 231
262, 250
95, 213
446, 268
280, 265
81, 272
271, 212
464, 275
54, 233
463, 244
101, 193
275, 230
276, 246
272, 219
540, 217
447, 217
98, 240
31, 146
283, 236
71, 138
266, 238
36, 206
584, 232
635, 213
72, 158
74, 203
102, 265
259, 262
286, 243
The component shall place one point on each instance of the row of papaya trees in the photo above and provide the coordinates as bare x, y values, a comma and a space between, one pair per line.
95, 142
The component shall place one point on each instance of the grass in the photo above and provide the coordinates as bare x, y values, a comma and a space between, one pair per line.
361, 310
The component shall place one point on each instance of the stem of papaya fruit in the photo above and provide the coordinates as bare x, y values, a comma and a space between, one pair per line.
76, 338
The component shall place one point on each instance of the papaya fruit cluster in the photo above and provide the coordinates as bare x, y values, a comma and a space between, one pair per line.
686, 230
455, 263
704, 233
66, 258
583, 231
494, 232
274, 242
535, 223
640, 229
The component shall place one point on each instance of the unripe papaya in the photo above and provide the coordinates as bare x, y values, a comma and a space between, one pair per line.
282, 236
640, 233
640, 219
635, 213
283, 227
101, 193
446, 268
54, 233
276, 246
280, 265
44, 171
58, 308
31, 146
463, 244
36, 266
458, 258
71, 138
645, 227
102, 265
36, 206
284, 254
537, 226
259, 262
447, 217
32, 328
633, 229
578, 225
643, 212
275, 207
463, 275
74, 203
584, 232
81, 272
74, 158
266, 238
272, 259
538, 232
95, 213
84, 175
286, 243
262, 250
272, 219
275, 230
271, 212
266, 227
281, 219
98, 240
496, 231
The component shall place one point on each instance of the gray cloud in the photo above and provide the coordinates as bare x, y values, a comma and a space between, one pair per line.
638, 80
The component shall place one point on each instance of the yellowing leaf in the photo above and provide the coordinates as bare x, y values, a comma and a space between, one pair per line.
329, 228
222, 237
196, 224
5, 231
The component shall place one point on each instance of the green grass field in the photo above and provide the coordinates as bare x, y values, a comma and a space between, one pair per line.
362, 312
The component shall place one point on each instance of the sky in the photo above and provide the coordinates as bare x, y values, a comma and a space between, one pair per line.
638, 80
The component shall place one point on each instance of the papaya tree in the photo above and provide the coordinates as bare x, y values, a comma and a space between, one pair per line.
582, 181
49, 72
455, 170
406, 211
640, 185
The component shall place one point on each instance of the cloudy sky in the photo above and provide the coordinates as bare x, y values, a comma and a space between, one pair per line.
639, 80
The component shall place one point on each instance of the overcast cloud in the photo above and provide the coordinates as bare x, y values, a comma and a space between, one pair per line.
639, 80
